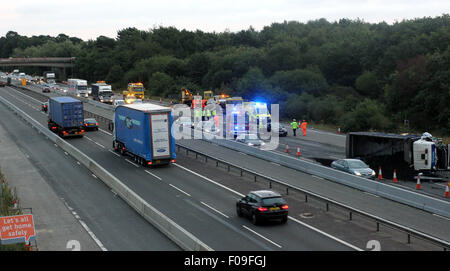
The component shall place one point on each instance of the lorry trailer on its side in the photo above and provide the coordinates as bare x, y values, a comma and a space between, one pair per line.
65, 116
408, 154
143, 131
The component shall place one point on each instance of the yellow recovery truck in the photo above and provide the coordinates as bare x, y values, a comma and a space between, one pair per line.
134, 90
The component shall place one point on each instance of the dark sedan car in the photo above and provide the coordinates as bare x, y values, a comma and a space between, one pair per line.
282, 131
45, 89
263, 205
355, 167
250, 140
90, 124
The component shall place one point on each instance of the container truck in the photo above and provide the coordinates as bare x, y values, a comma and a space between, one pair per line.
65, 116
102, 92
143, 131
408, 154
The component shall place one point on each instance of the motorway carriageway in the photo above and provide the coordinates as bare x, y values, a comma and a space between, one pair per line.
104, 216
317, 146
399, 213
197, 204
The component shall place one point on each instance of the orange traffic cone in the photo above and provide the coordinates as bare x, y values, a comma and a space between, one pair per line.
447, 191
287, 148
380, 175
418, 181
298, 152
395, 176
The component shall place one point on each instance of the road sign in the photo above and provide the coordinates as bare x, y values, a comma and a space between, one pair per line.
17, 229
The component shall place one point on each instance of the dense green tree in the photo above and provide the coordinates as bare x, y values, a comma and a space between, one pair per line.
331, 72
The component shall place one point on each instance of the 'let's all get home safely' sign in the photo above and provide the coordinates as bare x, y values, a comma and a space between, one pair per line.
17, 229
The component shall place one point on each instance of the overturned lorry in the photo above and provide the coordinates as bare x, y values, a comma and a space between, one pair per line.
408, 154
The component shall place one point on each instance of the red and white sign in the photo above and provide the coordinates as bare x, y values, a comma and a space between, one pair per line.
16, 229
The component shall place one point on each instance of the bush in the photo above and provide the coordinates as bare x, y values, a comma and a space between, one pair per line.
367, 115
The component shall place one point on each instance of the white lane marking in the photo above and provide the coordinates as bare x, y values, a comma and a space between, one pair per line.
78, 163
217, 211
263, 237
66, 153
131, 163
317, 177
275, 164
179, 189
77, 217
209, 180
105, 132
102, 247
295, 220
94, 176
100, 145
113, 152
27, 96
442, 217
373, 195
326, 234
153, 175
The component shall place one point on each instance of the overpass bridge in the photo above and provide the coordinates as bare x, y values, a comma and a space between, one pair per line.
60, 63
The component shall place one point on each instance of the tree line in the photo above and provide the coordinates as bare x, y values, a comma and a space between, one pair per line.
358, 75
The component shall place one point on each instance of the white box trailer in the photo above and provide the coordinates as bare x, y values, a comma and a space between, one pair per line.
77, 87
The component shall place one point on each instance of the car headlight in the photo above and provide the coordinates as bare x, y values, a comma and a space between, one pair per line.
357, 173
373, 172
250, 144
262, 143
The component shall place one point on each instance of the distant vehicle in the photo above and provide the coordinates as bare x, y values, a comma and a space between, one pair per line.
134, 89
263, 205
90, 124
49, 77
282, 131
118, 102
21, 75
102, 92
184, 122
355, 167
45, 107
130, 99
143, 131
250, 140
45, 89
208, 126
77, 87
65, 116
